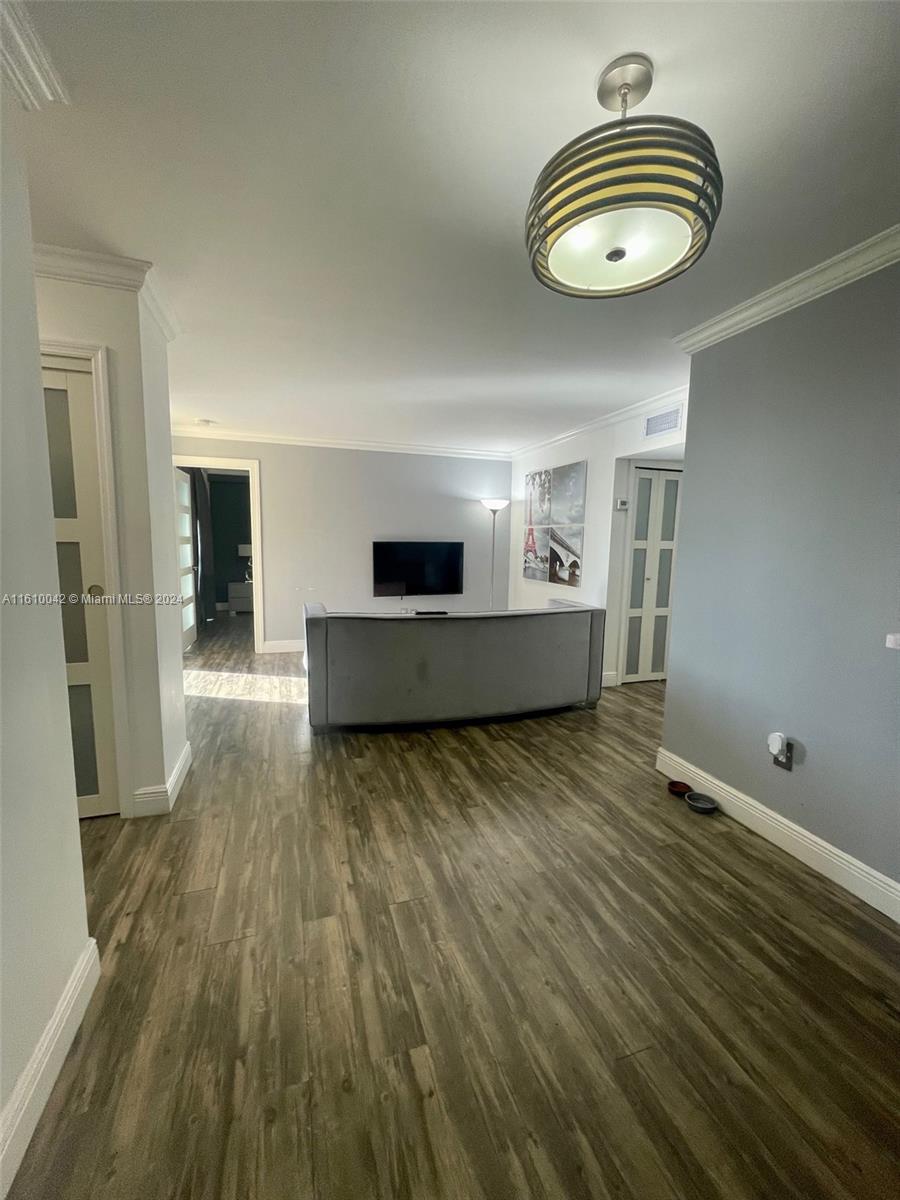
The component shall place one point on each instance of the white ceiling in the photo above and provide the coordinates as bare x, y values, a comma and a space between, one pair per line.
334, 194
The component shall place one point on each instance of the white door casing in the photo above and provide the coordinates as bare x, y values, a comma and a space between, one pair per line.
76, 485
650, 565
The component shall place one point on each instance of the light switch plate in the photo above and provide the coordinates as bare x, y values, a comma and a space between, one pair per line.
892, 641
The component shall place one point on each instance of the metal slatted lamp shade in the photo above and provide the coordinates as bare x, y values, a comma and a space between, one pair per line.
626, 206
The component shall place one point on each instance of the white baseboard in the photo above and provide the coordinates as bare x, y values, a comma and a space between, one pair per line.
863, 881
22, 1110
609, 679
181, 768
157, 801
289, 646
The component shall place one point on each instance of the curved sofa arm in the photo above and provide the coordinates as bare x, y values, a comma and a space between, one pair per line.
315, 624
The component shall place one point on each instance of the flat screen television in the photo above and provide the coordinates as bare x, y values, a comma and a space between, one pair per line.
417, 568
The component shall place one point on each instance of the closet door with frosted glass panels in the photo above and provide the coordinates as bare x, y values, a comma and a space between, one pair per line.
187, 575
75, 489
651, 562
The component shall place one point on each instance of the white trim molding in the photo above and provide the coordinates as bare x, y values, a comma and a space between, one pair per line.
32, 1089
641, 408
113, 271
85, 266
26, 67
876, 252
862, 881
158, 801
214, 433
609, 679
160, 306
646, 407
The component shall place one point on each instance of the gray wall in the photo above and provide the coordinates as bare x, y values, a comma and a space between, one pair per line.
787, 573
323, 508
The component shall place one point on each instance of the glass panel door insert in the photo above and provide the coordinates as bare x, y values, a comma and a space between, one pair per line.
651, 562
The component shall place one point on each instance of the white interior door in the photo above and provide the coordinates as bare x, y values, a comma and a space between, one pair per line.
75, 486
184, 532
648, 602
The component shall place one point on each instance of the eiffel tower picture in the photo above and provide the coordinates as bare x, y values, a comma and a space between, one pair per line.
536, 548
530, 543
554, 524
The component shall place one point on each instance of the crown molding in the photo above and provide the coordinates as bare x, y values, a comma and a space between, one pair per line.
159, 305
864, 259
640, 408
26, 67
110, 270
84, 266
214, 433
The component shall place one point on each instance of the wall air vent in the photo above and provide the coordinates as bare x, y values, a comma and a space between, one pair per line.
662, 422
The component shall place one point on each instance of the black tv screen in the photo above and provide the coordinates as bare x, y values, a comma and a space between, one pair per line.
417, 568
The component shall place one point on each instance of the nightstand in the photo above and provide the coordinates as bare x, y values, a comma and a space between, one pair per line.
240, 597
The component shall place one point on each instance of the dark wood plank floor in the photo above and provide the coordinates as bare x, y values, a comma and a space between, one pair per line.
474, 963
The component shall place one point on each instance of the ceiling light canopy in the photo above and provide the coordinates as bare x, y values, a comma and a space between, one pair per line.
627, 205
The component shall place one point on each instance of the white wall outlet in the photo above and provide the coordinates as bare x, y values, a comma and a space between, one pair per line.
892, 641
622, 505
782, 750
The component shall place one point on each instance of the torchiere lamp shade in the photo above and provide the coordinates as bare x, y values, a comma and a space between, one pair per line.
624, 207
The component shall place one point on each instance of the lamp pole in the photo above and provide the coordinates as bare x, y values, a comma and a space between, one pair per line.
493, 551
493, 507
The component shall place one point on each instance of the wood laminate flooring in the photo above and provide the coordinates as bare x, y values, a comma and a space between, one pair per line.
490, 962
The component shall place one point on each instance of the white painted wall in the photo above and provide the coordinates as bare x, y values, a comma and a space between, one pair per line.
323, 508
161, 496
602, 446
139, 403
43, 924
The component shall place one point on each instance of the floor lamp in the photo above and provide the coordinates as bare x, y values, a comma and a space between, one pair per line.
493, 507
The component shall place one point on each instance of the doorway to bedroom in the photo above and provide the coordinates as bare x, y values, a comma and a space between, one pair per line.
218, 543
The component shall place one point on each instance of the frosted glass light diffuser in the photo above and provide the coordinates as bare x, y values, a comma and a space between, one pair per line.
621, 249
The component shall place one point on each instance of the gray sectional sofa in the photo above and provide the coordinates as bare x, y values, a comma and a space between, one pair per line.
394, 669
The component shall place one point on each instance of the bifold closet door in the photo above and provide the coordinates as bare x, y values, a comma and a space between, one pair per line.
75, 489
648, 602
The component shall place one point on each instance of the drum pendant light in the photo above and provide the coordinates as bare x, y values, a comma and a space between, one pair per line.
628, 205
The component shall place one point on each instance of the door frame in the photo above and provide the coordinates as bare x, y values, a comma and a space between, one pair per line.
251, 465
96, 356
635, 465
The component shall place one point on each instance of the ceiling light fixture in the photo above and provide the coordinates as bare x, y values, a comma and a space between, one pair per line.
628, 205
